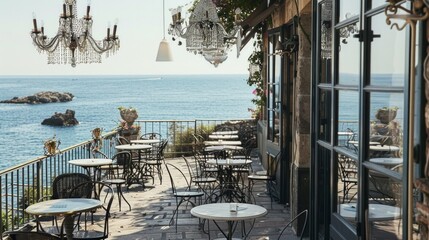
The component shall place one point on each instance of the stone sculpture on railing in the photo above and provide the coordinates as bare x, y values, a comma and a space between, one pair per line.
386, 130
127, 128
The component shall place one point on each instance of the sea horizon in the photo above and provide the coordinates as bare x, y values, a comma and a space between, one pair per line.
96, 102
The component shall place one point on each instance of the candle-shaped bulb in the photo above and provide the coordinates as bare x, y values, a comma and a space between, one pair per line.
64, 10
34, 22
88, 8
42, 27
114, 30
108, 32
71, 10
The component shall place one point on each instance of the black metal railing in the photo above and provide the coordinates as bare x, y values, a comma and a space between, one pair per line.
26, 183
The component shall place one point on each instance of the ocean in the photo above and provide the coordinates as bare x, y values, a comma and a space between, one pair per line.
96, 102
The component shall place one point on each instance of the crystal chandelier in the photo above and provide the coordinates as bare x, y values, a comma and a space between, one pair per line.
73, 42
326, 30
204, 33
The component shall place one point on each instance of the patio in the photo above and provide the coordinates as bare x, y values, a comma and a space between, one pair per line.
153, 208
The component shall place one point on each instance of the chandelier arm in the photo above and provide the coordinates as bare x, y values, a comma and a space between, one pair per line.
100, 49
51, 46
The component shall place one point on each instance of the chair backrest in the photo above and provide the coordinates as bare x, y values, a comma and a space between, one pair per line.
64, 183
192, 173
121, 166
21, 235
272, 168
121, 140
103, 192
151, 135
170, 167
305, 215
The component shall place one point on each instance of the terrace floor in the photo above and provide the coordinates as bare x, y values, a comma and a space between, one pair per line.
152, 209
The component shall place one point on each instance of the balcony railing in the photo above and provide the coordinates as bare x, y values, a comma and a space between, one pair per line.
26, 183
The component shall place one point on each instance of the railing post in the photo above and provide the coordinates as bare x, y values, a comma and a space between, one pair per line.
39, 185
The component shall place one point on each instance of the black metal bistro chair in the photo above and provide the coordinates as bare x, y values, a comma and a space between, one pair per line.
182, 195
22, 235
105, 194
118, 173
61, 188
299, 215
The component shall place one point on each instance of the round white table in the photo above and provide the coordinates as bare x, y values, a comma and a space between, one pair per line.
138, 168
222, 148
222, 212
377, 212
133, 147
229, 162
225, 133
223, 137
384, 148
146, 141
66, 207
388, 162
88, 163
228, 181
356, 143
221, 142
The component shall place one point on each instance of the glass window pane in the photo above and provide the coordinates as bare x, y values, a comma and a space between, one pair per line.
325, 37
348, 119
348, 56
387, 121
378, 3
348, 9
388, 51
323, 189
324, 132
384, 210
347, 188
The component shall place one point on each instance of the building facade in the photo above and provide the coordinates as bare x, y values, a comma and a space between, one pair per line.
346, 106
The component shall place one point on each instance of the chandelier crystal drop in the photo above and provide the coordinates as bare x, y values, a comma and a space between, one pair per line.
204, 33
73, 43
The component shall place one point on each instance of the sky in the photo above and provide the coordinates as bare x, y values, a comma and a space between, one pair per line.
139, 29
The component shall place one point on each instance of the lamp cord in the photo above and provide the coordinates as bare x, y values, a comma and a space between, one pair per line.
163, 17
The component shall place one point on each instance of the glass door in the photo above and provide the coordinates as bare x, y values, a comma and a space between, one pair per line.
360, 75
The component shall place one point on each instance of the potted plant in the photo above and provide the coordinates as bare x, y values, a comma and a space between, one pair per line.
51, 146
386, 114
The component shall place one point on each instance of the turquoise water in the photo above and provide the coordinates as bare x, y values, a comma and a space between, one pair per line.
97, 98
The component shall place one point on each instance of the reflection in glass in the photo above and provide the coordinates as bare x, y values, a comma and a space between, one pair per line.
388, 50
348, 119
325, 115
386, 126
348, 55
326, 30
347, 188
348, 9
385, 201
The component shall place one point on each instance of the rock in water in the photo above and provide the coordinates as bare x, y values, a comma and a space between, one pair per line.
42, 97
62, 119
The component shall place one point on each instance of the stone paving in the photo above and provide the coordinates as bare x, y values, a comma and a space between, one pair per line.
153, 207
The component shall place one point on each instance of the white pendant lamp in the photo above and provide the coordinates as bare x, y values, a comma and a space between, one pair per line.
164, 52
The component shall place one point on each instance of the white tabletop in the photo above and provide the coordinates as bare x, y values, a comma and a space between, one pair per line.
377, 212
345, 133
225, 133
223, 137
133, 147
91, 162
387, 161
64, 206
384, 148
221, 211
229, 162
222, 147
146, 141
221, 142
357, 142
